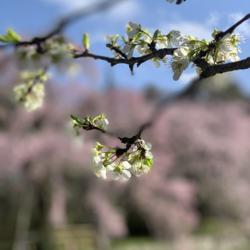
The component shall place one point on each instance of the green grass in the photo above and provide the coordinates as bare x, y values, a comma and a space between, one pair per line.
190, 243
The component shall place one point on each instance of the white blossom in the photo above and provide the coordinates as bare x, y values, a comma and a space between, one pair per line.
227, 49
31, 91
174, 39
133, 29
108, 165
180, 61
121, 171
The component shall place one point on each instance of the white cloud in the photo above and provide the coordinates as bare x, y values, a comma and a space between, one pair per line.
187, 77
121, 11
70, 5
243, 29
125, 11
214, 19
188, 28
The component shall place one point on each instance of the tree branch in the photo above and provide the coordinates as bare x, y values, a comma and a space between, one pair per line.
161, 53
207, 70
65, 22
226, 67
233, 27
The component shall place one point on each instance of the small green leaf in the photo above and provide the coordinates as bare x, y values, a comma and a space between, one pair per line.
90, 122
156, 34
86, 41
148, 162
10, 37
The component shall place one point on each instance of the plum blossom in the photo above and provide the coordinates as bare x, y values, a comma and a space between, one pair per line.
227, 49
121, 172
108, 164
31, 91
180, 61
133, 29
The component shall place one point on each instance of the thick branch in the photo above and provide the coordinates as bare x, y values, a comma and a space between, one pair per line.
226, 67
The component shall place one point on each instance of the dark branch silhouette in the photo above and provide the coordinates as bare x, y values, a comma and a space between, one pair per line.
180, 1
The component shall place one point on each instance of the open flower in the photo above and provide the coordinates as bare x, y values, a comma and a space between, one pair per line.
128, 50
121, 171
180, 61
141, 158
103, 157
174, 39
133, 29
227, 49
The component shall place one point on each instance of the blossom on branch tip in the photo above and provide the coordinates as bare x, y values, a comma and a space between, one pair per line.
141, 158
132, 30
174, 39
31, 91
99, 122
54, 51
226, 49
180, 61
108, 164
31, 99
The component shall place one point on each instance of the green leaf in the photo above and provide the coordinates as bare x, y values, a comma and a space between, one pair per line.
10, 37
90, 122
86, 41
148, 162
156, 34
3, 39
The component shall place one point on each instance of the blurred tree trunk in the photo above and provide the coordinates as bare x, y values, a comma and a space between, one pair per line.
57, 209
24, 213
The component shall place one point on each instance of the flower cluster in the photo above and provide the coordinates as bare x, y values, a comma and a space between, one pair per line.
111, 162
31, 91
58, 49
138, 40
32, 59
99, 122
225, 49
53, 51
187, 48
121, 164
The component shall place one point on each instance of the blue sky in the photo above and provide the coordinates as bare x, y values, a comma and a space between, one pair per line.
197, 17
